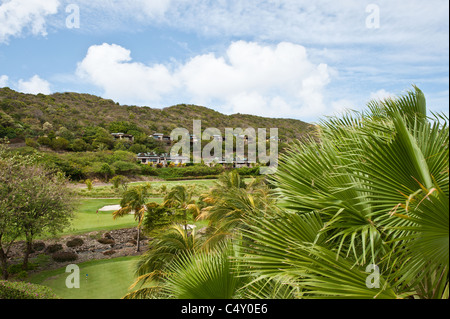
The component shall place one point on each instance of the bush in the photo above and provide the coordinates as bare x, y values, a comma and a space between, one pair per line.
126, 168
148, 170
106, 241
53, 248
119, 180
15, 269
24, 290
88, 183
75, 242
63, 256
245, 171
38, 246
109, 252
31, 143
60, 143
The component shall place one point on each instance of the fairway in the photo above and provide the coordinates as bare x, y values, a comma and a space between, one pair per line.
101, 279
87, 219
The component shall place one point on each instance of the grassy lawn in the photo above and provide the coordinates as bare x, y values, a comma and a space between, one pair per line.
109, 192
87, 220
106, 279
205, 182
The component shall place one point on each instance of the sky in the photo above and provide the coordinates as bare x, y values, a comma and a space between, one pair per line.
276, 58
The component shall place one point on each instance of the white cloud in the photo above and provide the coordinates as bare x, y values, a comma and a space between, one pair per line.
258, 79
154, 8
342, 105
34, 85
3, 81
248, 78
109, 66
381, 94
17, 15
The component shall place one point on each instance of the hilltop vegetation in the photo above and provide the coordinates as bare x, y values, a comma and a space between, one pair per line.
86, 121
72, 133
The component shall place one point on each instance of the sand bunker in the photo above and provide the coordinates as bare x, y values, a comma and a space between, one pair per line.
109, 208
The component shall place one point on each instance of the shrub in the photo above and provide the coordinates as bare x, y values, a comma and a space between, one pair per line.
24, 290
60, 143
75, 242
22, 275
88, 183
31, 143
38, 246
254, 171
62, 256
106, 241
15, 269
53, 248
119, 180
149, 170
109, 252
122, 167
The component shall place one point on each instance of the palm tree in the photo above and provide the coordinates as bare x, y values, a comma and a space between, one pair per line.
230, 203
372, 194
180, 198
168, 246
134, 200
184, 269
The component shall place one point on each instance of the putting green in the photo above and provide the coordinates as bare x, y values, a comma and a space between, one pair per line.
100, 279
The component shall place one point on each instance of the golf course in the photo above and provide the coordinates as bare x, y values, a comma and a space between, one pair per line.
104, 278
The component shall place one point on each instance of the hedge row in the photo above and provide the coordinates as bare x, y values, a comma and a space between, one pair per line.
24, 290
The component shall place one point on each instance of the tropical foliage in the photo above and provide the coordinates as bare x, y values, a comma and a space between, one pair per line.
133, 202
373, 193
363, 213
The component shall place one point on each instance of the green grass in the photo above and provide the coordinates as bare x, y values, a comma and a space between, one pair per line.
155, 184
106, 279
87, 219
109, 192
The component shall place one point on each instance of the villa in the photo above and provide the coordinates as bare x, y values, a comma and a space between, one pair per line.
163, 138
123, 136
164, 159
153, 158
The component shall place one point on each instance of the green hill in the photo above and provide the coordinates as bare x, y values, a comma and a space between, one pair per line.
24, 116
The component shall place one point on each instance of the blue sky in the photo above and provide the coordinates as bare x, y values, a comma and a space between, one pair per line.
291, 58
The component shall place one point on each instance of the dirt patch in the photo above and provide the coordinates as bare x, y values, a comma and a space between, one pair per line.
118, 243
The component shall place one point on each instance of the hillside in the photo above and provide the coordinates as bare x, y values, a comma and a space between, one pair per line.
24, 115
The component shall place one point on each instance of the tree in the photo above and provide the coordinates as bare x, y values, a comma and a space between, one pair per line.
231, 202
372, 194
167, 247
60, 143
180, 198
156, 217
120, 180
45, 203
134, 200
106, 170
88, 183
10, 175
33, 199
